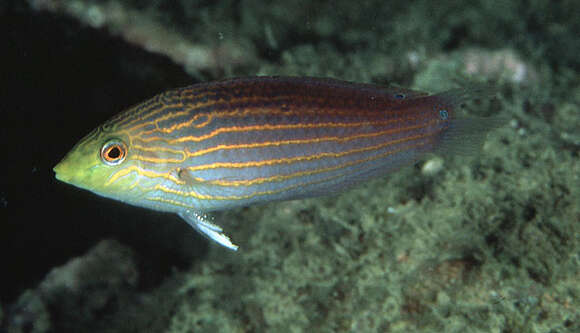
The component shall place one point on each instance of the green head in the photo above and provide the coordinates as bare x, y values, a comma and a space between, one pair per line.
101, 163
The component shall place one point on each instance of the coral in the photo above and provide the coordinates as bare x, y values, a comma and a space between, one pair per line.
83, 289
141, 28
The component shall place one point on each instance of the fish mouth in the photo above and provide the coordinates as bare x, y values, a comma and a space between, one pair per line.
65, 171
59, 173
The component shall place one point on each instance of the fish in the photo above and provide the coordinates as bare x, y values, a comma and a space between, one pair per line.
238, 142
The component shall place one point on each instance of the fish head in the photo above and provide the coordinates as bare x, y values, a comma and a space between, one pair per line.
101, 162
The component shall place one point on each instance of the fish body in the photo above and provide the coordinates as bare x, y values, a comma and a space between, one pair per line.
238, 142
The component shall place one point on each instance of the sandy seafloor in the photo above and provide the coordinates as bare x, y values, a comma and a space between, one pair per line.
489, 243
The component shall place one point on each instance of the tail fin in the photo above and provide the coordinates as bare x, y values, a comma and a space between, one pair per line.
473, 91
465, 136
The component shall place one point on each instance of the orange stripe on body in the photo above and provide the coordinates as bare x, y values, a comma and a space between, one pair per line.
187, 154
194, 194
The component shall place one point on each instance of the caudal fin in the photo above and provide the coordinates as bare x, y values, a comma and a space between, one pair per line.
465, 136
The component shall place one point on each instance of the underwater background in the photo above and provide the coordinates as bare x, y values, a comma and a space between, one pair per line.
489, 243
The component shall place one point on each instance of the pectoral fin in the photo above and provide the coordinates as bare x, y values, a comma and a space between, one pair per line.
214, 232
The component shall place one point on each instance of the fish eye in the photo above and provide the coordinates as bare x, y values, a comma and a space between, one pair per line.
443, 114
113, 152
399, 96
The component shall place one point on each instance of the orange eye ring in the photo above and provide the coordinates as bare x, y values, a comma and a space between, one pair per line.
113, 152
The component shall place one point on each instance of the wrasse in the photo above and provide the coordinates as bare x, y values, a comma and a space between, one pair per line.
237, 142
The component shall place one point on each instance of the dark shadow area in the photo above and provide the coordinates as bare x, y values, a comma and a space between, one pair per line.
60, 80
